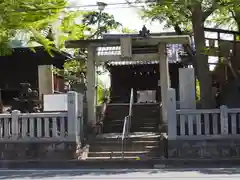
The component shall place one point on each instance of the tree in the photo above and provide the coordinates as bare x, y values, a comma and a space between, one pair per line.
92, 25
88, 28
190, 15
33, 16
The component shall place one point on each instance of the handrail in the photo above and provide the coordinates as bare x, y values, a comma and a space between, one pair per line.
127, 122
131, 103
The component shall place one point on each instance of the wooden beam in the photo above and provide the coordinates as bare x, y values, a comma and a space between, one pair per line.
221, 31
154, 40
135, 57
135, 35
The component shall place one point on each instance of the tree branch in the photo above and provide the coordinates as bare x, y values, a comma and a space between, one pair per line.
233, 14
208, 12
186, 47
178, 30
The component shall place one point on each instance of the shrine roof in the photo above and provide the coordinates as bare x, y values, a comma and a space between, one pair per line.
115, 41
174, 52
39, 54
136, 35
109, 46
126, 63
39, 51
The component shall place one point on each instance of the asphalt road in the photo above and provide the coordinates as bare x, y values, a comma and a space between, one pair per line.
154, 174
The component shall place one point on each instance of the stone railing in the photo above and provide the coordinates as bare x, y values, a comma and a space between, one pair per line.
46, 126
34, 126
201, 123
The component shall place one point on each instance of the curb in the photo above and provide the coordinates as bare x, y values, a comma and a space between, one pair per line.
118, 164
74, 164
195, 163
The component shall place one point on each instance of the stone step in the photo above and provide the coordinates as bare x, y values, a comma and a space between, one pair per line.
142, 106
118, 153
95, 148
126, 142
133, 124
127, 147
112, 158
140, 112
110, 129
134, 128
135, 117
133, 139
143, 136
144, 121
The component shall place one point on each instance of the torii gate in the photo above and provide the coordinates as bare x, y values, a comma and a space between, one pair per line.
125, 44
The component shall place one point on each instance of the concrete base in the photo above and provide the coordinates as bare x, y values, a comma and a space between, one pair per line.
83, 164
34, 151
122, 164
204, 149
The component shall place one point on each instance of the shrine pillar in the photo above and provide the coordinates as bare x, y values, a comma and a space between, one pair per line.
164, 80
91, 82
45, 80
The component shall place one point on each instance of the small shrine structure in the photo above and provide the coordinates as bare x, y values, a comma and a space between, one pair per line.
129, 48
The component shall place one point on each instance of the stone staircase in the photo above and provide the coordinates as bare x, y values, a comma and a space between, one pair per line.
145, 117
138, 146
144, 141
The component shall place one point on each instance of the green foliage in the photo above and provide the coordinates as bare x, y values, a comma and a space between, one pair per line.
102, 92
126, 30
216, 13
85, 25
171, 13
74, 71
197, 90
82, 25
99, 23
227, 14
30, 15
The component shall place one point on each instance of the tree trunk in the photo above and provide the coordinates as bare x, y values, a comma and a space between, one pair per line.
204, 75
233, 61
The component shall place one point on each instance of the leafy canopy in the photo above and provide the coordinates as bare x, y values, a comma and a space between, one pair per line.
216, 13
32, 16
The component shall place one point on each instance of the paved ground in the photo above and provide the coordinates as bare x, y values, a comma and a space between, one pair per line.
154, 174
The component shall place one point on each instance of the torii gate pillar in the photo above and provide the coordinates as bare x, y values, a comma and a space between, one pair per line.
164, 81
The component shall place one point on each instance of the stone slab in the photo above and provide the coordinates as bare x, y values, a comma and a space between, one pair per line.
204, 149
43, 151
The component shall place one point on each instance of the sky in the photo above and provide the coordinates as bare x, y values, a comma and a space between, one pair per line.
128, 17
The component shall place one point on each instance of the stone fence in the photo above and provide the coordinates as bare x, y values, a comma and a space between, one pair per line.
35, 135
201, 123
202, 133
